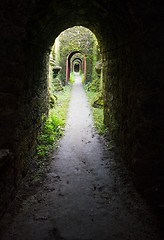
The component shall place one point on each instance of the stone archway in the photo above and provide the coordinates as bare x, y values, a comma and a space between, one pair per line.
68, 65
76, 67
80, 62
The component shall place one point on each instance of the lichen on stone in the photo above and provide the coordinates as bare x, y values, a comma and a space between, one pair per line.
57, 85
97, 102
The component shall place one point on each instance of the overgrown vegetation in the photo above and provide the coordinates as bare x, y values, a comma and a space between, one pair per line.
72, 77
98, 118
82, 74
98, 115
51, 132
77, 38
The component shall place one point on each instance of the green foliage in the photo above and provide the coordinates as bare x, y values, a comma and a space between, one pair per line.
56, 85
82, 78
87, 85
72, 77
98, 113
97, 101
52, 100
99, 120
111, 145
95, 85
52, 130
77, 38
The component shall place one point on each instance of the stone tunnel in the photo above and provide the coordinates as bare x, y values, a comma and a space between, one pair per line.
130, 38
68, 64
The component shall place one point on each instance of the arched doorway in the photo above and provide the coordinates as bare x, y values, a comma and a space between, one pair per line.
68, 63
76, 67
78, 60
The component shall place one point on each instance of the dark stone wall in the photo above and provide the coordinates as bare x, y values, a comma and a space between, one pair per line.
11, 69
23, 97
133, 89
130, 37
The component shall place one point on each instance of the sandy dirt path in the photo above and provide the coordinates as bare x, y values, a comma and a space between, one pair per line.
83, 197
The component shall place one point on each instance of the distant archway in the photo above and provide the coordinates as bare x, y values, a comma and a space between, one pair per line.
80, 61
68, 65
76, 67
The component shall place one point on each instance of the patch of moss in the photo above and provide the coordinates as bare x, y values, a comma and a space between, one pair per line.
97, 102
57, 85
98, 67
52, 100
95, 85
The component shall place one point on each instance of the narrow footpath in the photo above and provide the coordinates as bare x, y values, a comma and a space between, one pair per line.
86, 195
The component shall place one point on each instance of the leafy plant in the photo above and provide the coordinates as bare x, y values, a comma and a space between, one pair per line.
82, 77
52, 131
98, 113
72, 77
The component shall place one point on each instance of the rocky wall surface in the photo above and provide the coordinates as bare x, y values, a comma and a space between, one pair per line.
23, 98
133, 100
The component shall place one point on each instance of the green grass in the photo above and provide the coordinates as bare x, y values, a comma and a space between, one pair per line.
82, 77
98, 113
98, 118
52, 131
72, 77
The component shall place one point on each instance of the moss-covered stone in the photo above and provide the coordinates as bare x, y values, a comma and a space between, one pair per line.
57, 85
97, 102
98, 68
55, 71
52, 100
95, 85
